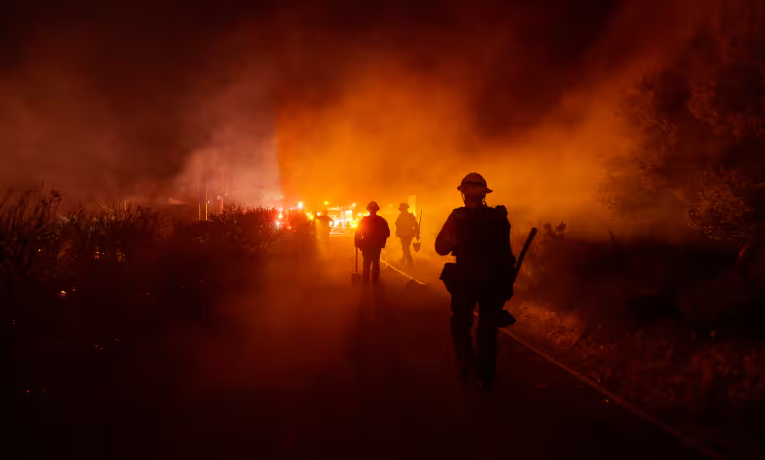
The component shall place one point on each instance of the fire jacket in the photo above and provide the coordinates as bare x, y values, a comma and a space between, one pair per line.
372, 233
479, 238
407, 226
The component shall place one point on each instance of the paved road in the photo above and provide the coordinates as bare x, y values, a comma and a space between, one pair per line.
314, 368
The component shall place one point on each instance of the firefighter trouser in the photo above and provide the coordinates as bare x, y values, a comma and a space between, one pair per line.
490, 306
371, 260
323, 239
406, 244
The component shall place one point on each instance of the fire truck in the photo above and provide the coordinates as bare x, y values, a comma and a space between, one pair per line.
346, 218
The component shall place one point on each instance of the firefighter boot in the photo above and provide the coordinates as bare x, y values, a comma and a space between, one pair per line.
467, 365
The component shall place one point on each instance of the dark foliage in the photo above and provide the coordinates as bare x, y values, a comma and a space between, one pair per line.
92, 301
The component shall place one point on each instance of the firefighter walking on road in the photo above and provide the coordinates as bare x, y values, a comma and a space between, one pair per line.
479, 237
407, 228
370, 238
323, 223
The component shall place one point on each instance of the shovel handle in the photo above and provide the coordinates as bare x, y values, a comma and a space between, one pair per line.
526, 245
419, 226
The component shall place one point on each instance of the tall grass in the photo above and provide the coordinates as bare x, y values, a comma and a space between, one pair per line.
77, 287
28, 224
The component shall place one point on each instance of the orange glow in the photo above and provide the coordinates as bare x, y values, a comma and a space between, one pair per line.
346, 149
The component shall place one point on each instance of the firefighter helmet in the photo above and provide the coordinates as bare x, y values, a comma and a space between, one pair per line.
373, 206
403, 207
474, 184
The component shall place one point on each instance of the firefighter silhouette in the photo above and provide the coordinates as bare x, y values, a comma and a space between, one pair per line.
370, 238
323, 223
479, 237
407, 228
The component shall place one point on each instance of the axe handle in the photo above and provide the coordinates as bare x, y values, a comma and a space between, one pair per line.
525, 249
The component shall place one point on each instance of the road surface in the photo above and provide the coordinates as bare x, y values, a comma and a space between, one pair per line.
316, 368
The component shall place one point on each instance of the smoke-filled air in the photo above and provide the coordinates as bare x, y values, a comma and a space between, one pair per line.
563, 106
186, 188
